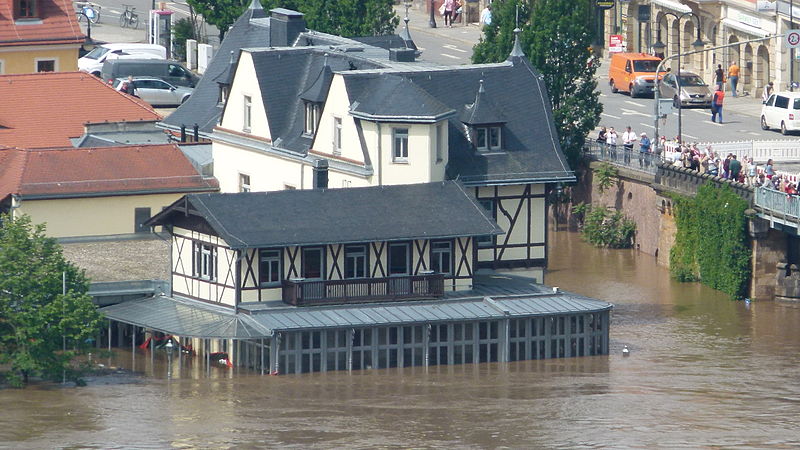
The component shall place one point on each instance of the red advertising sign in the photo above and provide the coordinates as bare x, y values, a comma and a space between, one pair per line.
615, 43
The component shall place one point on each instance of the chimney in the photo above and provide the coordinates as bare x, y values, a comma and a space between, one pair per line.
284, 27
321, 174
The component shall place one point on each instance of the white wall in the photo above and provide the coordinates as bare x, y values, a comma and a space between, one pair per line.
245, 83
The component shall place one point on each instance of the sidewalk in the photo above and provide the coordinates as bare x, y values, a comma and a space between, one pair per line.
419, 22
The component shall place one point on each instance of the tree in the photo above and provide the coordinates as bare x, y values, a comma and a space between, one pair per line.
36, 319
556, 37
347, 18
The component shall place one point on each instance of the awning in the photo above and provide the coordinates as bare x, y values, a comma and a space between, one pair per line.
421, 312
669, 4
745, 28
185, 318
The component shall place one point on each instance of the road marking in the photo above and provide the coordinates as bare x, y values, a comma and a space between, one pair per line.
603, 95
699, 111
634, 103
449, 56
690, 136
630, 112
609, 115
453, 47
646, 125
754, 133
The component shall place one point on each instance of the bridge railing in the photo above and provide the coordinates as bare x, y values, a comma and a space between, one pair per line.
778, 150
778, 203
617, 155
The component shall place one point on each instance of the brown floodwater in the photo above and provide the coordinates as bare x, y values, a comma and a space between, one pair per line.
703, 371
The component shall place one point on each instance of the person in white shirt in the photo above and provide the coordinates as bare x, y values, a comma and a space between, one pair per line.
611, 142
486, 15
628, 139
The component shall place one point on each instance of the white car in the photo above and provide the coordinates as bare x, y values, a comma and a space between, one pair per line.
155, 91
93, 61
782, 111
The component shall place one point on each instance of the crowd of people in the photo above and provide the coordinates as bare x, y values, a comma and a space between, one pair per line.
690, 156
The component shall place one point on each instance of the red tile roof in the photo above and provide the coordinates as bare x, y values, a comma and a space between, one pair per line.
56, 24
100, 171
45, 109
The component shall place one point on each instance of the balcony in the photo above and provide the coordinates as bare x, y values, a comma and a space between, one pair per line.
299, 292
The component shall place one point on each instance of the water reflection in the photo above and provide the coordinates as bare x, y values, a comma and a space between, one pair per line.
704, 371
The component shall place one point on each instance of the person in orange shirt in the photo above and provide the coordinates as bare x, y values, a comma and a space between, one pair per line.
733, 76
716, 104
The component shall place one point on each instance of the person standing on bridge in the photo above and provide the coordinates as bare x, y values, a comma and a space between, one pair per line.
611, 142
628, 139
734, 167
716, 104
644, 150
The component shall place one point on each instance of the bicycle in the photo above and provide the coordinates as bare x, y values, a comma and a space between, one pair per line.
88, 10
129, 18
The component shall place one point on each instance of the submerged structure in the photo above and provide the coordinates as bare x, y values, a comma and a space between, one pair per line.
346, 279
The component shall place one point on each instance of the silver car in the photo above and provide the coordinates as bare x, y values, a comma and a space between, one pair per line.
694, 91
155, 91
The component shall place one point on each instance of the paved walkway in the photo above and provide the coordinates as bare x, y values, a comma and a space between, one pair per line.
419, 22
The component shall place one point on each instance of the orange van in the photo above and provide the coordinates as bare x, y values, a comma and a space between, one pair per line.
633, 73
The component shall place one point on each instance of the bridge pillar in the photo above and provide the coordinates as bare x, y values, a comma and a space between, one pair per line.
769, 247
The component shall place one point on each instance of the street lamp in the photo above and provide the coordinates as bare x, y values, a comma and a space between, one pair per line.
169, 348
698, 44
432, 21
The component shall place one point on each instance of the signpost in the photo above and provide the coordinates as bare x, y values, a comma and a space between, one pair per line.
615, 43
792, 39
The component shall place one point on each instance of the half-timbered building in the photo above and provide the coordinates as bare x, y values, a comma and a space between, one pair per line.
342, 279
371, 116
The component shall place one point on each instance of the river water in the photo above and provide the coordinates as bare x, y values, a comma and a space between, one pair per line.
703, 371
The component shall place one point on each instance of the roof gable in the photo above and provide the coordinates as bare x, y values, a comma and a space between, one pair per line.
55, 102
395, 98
323, 216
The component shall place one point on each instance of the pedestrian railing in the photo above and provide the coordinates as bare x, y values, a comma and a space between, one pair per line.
778, 204
618, 155
778, 150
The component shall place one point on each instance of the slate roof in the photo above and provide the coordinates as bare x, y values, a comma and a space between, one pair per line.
482, 110
347, 215
531, 151
56, 24
47, 109
397, 99
75, 172
251, 29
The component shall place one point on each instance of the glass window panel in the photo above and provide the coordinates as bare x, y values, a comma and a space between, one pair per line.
398, 259
494, 138
480, 138
313, 260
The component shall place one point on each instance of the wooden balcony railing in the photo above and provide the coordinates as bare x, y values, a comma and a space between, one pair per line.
299, 292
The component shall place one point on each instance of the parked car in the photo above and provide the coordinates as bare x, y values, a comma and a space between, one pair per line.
154, 91
169, 71
694, 91
634, 73
93, 61
782, 110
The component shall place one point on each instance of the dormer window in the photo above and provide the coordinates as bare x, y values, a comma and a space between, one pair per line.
488, 138
312, 117
25, 9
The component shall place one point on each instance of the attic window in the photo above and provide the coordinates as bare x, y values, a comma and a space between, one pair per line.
312, 117
25, 9
488, 138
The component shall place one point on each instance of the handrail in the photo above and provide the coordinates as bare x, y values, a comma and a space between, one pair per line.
299, 292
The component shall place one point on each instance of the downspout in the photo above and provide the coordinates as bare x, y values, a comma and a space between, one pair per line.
380, 156
237, 279
16, 203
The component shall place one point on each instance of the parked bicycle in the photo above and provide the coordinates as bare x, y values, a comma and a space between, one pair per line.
88, 10
129, 18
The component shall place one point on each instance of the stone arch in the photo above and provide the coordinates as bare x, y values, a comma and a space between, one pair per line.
762, 67
662, 32
747, 69
632, 36
675, 30
690, 63
733, 52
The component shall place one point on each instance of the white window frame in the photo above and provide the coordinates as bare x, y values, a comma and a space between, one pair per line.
36, 62
204, 261
312, 112
442, 251
322, 255
244, 182
2, 67
337, 135
267, 255
357, 256
247, 114
400, 152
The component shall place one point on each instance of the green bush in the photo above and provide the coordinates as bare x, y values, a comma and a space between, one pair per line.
711, 240
182, 30
605, 173
604, 227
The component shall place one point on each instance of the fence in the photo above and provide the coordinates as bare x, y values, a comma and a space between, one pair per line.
778, 203
617, 155
778, 150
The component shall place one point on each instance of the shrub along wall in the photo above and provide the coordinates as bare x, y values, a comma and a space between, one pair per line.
711, 240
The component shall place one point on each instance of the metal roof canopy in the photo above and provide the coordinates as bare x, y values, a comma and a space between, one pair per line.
186, 318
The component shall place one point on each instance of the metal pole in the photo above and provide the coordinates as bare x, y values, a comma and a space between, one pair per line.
109, 335
678, 88
432, 21
791, 50
63, 314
